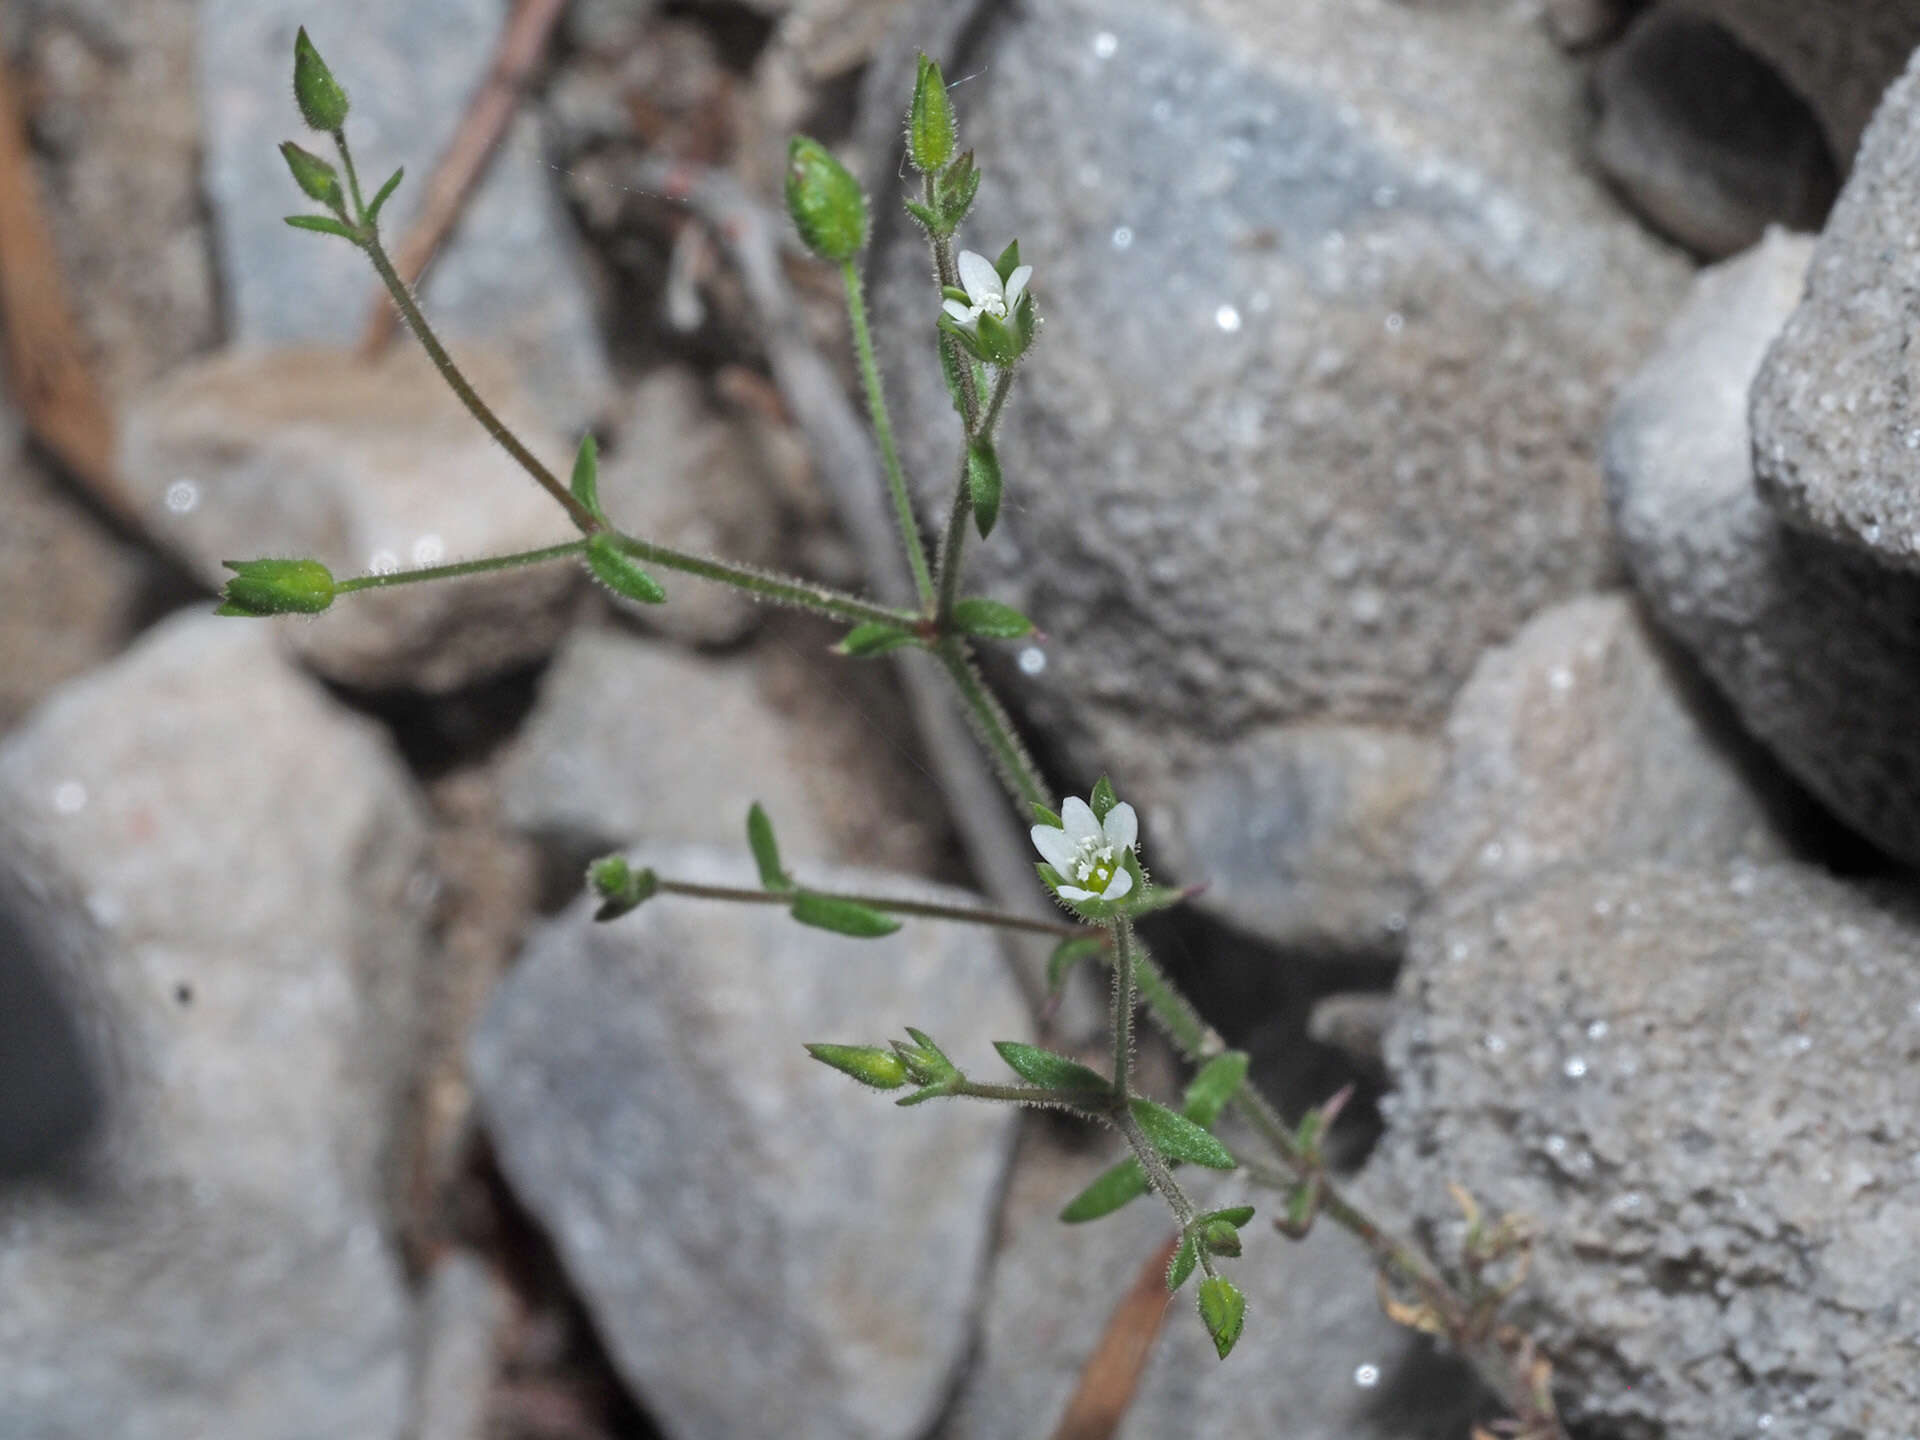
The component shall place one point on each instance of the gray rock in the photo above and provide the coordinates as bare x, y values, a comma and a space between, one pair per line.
510, 277
1705, 140
287, 452
1330, 321
1317, 1360
1583, 739
1582, 24
235, 862
1836, 436
1839, 54
1817, 649
1701, 1085
1304, 835
726, 1206
462, 1312
50, 1089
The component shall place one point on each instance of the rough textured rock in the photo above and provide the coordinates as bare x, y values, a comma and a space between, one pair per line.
1839, 54
1332, 310
289, 452
724, 1204
1703, 1087
509, 277
240, 866
1705, 140
1836, 435
462, 1313
1584, 739
1318, 1359
1817, 648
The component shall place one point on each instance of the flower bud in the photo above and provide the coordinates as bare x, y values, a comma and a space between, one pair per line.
323, 104
276, 587
313, 175
930, 127
869, 1064
619, 886
825, 201
1220, 1238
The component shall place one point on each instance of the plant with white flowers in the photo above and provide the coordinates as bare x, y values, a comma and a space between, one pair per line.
983, 327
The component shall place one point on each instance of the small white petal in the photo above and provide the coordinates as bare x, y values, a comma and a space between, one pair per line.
958, 311
1121, 883
978, 276
1122, 826
1054, 847
1017, 284
1075, 893
1081, 827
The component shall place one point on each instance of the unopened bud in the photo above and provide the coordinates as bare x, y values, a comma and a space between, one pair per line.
313, 175
930, 127
276, 587
323, 104
619, 886
869, 1064
826, 202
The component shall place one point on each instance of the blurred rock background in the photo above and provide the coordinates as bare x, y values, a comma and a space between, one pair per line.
1514, 622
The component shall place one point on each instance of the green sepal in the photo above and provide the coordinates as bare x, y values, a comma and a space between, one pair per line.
1119, 1184
968, 340
1181, 1266
926, 1062
929, 221
923, 1094
999, 344
316, 177
827, 205
983, 488
843, 917
1103, 799
1303, 1203
950, 363
989, 619
1213, 1086
1066, 955
869, 1064
1234, 1215
955, 294
614, 568
258, 588
1046, 1069
325, 225
766, 849
1177, 1137
930, 125
323, 104
956, 190
620, 887
585, 483
1008, 262
875, 637
385, 192
1026, 320
1048, 817
1223, 1310
1220, 1238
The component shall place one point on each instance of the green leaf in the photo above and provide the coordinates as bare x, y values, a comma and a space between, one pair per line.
1044, 1068
1223, 1310
875, 637
381, 195
1181, 1266
1008, 262
930, 127
1103, 799
615, 569
318, 179
827, 205
984, 486
957, 188
843, 917
766, 850
586, 473
1066, 955
323, 104
1112, 1188
325, 225
1178, 1138
1217, 1082
989, 619
928, 220
869, 1064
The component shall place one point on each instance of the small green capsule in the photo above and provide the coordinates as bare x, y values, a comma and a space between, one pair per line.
1223, 1310
323, 104
618, 886
869, 1064
930, 127
313, 175
276, 587
826, 202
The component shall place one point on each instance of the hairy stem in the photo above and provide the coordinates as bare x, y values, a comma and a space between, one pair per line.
926, 909
1159, 1175
1123, 998
949, 275
762, 585
381, 580
1092, 1104
883, 432
1017, 770
953, 541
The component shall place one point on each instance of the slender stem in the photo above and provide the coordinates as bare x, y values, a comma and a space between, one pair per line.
950, 276
926, 909
403, 300
883, 431
382, 579
1158, 1173
953, 539
1123, 997
1094, 1103
353, 179
1017, 770
774, 589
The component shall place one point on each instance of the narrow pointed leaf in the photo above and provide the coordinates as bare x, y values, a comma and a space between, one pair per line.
1223, 1310
1117, 1185
1048, 817
843, 917
1043, 1067
1181, 1266
586, 473
325, 225
766, 849
1217, 1082
876, 637
381, 195
1178, 1138
926, 217
989, 619
616, 570
984, 486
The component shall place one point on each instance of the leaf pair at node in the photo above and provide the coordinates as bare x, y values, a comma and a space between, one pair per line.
1208, 1093
809, 907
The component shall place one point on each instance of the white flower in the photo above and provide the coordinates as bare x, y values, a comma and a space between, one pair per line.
984, 290
1089, 855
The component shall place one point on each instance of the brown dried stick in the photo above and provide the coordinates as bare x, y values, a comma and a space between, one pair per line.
522, 43
1112, 1373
